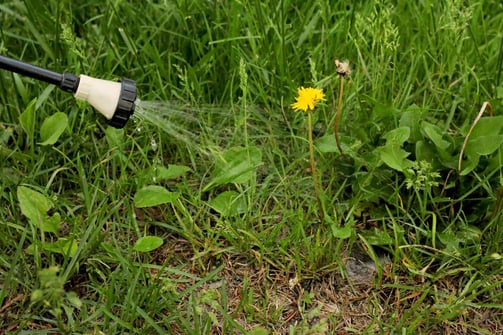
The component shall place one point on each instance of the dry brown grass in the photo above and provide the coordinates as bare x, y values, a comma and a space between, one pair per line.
258, 294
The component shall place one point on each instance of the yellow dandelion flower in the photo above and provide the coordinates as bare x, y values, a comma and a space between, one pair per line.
307, 98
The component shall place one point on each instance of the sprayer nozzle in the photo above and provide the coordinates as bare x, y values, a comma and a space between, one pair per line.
126, 103
115, 100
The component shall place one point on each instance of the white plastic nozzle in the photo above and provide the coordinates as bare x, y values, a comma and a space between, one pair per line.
103, 95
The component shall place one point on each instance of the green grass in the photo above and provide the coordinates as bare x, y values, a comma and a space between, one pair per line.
244, 249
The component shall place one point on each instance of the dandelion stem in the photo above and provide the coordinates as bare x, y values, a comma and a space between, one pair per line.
313, 161
338, 116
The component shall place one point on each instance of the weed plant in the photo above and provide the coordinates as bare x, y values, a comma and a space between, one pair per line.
135, 231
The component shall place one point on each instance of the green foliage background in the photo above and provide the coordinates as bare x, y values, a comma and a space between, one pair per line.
420, 73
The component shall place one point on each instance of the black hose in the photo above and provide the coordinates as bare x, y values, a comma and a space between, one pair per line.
67, 81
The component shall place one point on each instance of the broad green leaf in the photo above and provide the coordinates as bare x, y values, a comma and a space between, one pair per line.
469, 165
51, 223
34, 206
425, 151
147, 243
341, 232
160, 172
412, 118
397, 136
114, 137
53, 127
229, 203
487, 126
483, 145
62, 246
236, 165
327, 144
395, 157
157, 173
435, 134
153, 195
369, 159
27, 119
32, 202
485, 139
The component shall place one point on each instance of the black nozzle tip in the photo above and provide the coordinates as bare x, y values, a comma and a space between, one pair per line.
126, 104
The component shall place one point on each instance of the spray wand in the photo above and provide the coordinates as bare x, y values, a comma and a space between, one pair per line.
115, 100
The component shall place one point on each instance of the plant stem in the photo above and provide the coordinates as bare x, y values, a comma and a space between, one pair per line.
313, 161
338, 116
